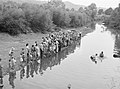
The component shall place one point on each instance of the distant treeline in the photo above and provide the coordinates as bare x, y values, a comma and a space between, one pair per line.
17, 18
114, 19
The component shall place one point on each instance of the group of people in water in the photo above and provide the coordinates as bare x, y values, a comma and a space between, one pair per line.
51, 44
34, 68
96, 56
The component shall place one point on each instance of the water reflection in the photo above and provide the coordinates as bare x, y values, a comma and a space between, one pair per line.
57, 58
27, 71
12, 77
34, 67
117, 44
84, 74
22, 72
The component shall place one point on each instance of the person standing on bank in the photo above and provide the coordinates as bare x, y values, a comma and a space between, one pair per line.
11, 52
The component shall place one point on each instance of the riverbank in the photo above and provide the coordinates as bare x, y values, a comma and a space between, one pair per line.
19, 42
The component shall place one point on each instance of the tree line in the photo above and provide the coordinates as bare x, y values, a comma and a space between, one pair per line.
18, 18
114, 19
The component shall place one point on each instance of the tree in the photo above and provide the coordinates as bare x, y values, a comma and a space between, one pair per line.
109, 11
61, 18
91, 11
57, 4
28, 17
114, 20
81, 9
92, 6
100, 11
72, 9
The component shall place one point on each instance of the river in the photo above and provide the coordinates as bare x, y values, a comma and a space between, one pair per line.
74, 66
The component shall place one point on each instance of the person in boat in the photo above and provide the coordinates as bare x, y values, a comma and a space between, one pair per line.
101, 55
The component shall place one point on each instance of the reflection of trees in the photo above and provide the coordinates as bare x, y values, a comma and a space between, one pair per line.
34, 67
22, 72
57, 58
12, 76
116, 33
27, 71
117, 41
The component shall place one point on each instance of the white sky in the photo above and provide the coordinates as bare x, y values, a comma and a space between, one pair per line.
99, 3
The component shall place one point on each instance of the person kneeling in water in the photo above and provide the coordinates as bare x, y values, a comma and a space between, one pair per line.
93, 58
101, 54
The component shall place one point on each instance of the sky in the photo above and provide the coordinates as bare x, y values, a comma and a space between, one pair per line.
99, 3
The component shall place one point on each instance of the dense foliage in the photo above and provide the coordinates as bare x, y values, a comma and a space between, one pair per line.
114, 20
16, 18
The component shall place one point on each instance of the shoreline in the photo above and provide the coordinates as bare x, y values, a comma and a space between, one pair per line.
19, 42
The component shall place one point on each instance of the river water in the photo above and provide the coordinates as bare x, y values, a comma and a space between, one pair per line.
74, 66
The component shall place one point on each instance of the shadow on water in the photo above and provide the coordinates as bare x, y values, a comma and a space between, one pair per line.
116, 50
12, 77
38, 68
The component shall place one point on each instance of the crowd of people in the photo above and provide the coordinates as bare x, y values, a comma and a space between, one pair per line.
33, 68
51, 44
